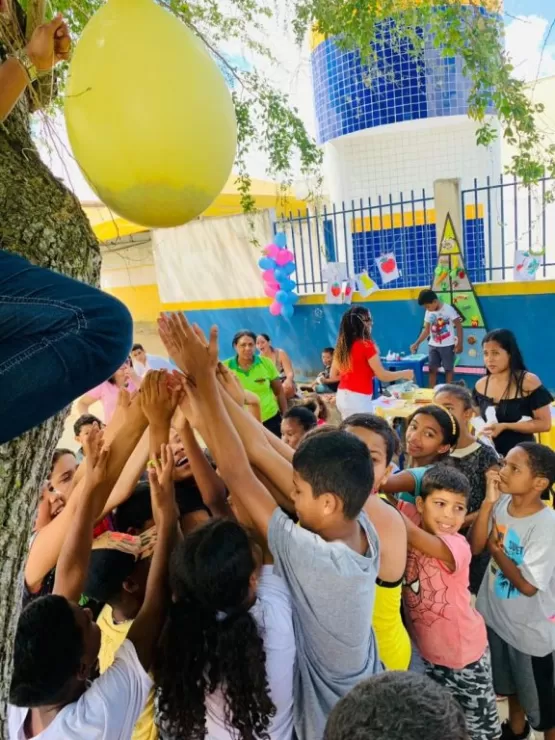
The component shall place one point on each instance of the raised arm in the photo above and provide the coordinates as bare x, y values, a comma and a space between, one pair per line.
49, 44
261, 445
279, 393
145, 630
158, 402
479, 533
199, 363
73, 563
210, 485
252, 404
428, 544
47, 545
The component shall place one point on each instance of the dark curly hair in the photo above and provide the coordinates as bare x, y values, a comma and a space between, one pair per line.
48, 650
211, 641
397, 704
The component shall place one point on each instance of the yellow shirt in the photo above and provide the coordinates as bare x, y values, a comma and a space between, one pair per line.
113, 636
393, 641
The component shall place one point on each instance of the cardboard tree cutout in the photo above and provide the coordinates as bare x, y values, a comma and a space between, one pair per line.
453, 286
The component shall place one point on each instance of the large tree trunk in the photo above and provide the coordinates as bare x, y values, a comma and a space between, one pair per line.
42, 221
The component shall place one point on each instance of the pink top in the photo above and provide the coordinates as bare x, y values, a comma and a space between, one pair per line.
108, 393
447, 630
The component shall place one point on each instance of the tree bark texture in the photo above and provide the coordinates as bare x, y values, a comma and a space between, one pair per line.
41, 220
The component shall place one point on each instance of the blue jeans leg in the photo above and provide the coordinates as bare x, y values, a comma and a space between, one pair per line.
58, 339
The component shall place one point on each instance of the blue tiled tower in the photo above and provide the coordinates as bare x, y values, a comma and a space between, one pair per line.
398, 125
391, 130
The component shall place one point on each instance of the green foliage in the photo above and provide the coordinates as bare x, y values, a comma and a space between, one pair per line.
266, 120
455, 30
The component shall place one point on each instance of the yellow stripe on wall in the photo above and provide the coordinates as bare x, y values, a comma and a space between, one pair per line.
406, 220
145, 305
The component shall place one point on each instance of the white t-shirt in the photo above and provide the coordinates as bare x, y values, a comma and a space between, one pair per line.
153, 362
525, 622
442, 326
273, 615
108, 710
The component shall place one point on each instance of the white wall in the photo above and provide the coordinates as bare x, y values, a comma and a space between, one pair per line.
406, 157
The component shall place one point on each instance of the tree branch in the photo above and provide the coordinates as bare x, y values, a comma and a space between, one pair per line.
36, 13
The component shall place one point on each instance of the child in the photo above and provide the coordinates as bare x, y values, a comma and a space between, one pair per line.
57, 644
517, 596
318, 406
323, 383
443, 326
474, 459
448, 631
432, 433
117, 578
397, 705
232, 677
82, 429
295, 424
329, 562
392, 637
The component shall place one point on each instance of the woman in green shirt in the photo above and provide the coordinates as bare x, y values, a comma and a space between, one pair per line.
260, 376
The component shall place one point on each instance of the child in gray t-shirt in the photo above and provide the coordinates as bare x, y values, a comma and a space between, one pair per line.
330, 564
517, 595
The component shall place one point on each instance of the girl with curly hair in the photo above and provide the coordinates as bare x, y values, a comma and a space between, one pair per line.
224, 668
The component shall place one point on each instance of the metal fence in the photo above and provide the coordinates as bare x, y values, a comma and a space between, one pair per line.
498, 219
517, 219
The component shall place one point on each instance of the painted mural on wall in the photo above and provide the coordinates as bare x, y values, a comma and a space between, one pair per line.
452, 284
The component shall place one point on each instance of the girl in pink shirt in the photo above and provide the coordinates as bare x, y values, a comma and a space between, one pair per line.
448, 631
108, 392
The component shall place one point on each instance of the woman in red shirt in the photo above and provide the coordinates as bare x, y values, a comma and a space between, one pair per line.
356, 362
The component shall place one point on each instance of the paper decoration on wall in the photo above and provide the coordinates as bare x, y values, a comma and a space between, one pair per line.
366, 286
333, 293
526, 266
335, 273
389, 270
348, 291
452, 284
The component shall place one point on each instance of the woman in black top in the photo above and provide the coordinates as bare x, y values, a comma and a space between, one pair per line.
513, 392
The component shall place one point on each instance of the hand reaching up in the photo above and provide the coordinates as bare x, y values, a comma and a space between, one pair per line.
160, 476
96, 458
231, 384
187, 346
159, 398
493, 479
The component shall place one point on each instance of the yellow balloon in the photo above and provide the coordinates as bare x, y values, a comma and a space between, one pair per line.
149, 116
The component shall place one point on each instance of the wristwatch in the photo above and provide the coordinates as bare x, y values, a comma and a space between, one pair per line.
27, 64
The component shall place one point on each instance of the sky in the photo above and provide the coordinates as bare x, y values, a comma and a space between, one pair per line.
530, 42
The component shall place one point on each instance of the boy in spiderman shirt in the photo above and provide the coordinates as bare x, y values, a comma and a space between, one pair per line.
449, 633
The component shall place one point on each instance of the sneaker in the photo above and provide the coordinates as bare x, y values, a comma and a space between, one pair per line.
508, 734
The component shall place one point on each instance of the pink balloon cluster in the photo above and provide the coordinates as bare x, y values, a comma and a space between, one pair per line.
277, 265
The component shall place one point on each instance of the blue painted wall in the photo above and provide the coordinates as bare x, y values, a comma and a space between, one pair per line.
396, 325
